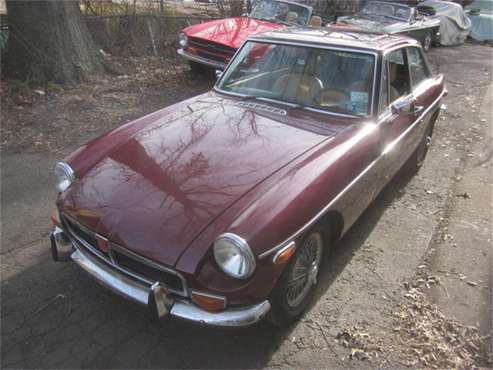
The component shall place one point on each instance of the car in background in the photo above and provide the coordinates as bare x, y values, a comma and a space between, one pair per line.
480, 12
454, 23
395, 18
213, 44
220, 209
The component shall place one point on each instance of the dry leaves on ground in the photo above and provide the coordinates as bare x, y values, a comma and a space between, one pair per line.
428, 338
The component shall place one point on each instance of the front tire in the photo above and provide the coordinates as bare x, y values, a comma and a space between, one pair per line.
295, 287
415, 162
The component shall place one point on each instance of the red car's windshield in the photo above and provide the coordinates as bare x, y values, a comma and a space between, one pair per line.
278, 11
332, 80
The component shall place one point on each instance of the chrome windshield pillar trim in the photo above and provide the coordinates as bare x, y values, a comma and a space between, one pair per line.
201, 60
138, 292
232, 317
354, 181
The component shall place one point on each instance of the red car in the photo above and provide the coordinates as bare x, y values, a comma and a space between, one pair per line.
220, 208
214, 43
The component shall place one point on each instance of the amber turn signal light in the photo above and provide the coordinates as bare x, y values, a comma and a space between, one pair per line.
55, 218
209, 302
284, 254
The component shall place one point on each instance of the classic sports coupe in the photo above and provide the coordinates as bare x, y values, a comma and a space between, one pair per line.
395, 18
213, 44
219, 209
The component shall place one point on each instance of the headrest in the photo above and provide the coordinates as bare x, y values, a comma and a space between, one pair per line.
291, 17
315, 21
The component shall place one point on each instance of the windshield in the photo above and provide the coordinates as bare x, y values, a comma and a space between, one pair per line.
387, 10
332, 80
279, 11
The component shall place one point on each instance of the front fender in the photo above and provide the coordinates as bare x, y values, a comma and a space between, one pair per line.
280, 210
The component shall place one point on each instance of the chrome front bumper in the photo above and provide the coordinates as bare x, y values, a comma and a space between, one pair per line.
201, 60
146, 295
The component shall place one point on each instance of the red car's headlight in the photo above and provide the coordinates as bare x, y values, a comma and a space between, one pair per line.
183, 40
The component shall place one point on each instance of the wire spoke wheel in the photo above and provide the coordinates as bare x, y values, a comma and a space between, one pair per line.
303, 275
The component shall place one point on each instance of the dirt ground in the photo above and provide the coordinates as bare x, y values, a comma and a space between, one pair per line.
409, 285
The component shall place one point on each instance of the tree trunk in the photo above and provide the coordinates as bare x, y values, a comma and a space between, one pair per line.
236, 7
49, 41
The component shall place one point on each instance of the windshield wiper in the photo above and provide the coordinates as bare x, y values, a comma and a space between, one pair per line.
250, 97
273, 100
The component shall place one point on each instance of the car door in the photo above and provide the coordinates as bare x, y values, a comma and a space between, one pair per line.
397, 112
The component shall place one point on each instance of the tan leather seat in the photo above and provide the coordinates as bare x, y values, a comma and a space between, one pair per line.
291, 17
302, 86
393, 92
315, 21
298, 87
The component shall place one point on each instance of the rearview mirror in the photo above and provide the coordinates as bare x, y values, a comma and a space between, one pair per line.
219, 73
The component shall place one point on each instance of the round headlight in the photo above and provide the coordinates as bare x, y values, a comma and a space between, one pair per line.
183, 40
234, 256
65, 176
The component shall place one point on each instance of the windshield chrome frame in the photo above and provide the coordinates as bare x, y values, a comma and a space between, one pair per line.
408, 19
375, 54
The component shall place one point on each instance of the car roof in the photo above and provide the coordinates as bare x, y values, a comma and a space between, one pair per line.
336, 36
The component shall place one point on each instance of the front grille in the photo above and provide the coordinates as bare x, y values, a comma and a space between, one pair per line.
81, 232
212, 46
173, 282
216, 58
125, 261
211, 50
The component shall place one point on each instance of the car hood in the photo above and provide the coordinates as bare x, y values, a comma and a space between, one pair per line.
156, 189
231, 32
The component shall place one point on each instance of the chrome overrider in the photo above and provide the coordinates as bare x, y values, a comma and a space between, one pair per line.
156, 296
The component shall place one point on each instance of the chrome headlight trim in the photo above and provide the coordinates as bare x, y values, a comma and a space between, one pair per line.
241, 249
183, 40
65, 176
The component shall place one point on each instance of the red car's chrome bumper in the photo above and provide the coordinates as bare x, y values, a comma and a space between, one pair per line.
201, 60
156, 297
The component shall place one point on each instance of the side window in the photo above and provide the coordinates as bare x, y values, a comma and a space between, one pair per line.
417, 66
383, 103
399, 84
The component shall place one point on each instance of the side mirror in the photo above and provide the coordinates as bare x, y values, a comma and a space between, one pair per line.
219, 73
403, 105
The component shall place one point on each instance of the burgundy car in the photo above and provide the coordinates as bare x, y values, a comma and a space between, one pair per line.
220, 208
